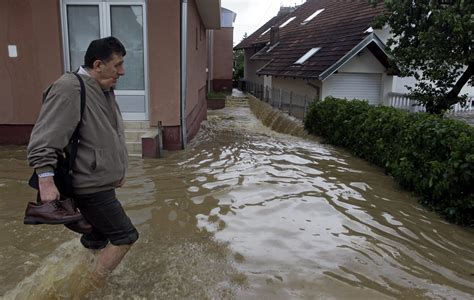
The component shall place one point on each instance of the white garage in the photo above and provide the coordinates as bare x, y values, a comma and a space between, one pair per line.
364, 86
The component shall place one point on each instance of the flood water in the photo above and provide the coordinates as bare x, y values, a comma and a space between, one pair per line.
245, 213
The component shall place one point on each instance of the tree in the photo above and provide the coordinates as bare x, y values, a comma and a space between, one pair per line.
239, 62
432, 40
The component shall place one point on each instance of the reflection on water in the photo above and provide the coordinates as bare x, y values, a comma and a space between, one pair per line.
246, 212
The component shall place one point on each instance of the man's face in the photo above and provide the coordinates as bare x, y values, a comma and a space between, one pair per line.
110, 71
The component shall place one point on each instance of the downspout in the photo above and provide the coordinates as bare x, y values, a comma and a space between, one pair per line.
210, 53
184, 70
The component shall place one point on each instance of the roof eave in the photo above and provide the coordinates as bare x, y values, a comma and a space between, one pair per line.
349, 55
210, 12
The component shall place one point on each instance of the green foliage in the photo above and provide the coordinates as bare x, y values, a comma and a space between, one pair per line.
217, 95
427, 154
238, 73
238, 64
434, 43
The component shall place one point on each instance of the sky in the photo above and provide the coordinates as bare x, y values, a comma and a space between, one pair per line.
251, 14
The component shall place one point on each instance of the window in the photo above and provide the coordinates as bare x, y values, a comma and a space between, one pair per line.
263, 33
287, 22
306, 56
308, 19
84, 21
272, 46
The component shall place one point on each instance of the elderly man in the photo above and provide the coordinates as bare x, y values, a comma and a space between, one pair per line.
101, 160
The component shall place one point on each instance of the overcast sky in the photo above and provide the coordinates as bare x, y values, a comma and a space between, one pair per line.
251, 14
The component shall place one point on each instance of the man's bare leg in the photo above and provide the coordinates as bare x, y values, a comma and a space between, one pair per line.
109, 258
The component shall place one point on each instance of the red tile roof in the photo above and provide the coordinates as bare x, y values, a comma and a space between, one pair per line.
337, 30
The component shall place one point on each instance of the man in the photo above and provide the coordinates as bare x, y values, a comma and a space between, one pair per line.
101, 160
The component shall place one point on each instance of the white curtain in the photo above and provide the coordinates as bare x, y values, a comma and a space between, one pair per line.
83, 27
127, 26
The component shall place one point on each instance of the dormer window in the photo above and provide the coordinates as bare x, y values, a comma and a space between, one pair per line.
307, 56
308, 19
272, 46
287, 22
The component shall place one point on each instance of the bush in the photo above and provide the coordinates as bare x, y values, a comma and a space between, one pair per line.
217, 95
427, 154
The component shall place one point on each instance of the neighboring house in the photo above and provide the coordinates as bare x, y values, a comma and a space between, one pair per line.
166, 61
324, 48
221, 54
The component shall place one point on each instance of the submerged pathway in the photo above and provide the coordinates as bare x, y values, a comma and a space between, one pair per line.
246, 213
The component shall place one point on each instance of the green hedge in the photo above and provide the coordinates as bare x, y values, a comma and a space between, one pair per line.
427, 154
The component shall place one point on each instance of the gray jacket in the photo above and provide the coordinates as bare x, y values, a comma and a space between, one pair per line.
102, 158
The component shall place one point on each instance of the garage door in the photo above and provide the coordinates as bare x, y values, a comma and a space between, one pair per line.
355, 85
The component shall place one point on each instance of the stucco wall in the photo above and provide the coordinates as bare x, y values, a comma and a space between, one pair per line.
164, 61
400, 83
223, 55
364, 62
297, 86
267, 81
251, 67
34, 27
197, 63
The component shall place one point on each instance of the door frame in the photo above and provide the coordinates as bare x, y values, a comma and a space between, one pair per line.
105, 28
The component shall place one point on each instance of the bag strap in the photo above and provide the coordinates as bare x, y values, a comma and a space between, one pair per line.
75, 136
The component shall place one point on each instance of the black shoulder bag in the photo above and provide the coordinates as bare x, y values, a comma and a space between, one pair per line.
66, 158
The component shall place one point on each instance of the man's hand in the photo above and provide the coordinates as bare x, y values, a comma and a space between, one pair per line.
48, 190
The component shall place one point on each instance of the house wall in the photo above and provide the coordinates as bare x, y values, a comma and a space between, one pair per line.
164, 42
364, 62
267, 81
196, 108
297, 86
399, 83
34, 27
222, 59
251, 67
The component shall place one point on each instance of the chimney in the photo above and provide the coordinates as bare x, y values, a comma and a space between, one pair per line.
284, 10
274, 35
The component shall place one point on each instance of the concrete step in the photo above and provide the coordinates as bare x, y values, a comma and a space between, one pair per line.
136, 124
134, 148
134, 135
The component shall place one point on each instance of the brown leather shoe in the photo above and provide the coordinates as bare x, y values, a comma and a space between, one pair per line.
81, 226
49, 213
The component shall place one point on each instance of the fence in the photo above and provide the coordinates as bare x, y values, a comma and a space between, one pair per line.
297, 105
294, 104
404, 101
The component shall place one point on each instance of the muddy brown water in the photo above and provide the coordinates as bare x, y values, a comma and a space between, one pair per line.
245, 213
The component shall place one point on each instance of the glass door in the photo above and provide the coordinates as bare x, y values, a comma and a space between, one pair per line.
84, 21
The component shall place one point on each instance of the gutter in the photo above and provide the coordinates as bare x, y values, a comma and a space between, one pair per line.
184, 70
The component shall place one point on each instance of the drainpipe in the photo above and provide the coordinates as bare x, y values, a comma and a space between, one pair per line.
184, 69
210, 59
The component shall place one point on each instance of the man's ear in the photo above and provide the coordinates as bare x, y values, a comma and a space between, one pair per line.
96, 65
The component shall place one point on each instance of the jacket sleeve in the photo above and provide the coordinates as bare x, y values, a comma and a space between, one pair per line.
58, 118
